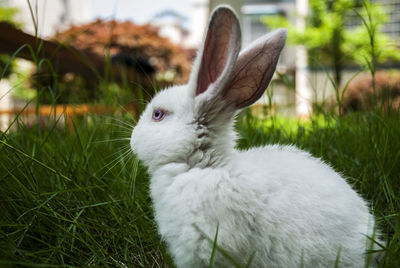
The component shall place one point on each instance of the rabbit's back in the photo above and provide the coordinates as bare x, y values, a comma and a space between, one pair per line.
309, 212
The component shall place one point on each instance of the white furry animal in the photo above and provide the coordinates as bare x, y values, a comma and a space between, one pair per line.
277, 202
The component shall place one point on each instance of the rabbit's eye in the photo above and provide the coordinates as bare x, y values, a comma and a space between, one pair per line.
158, 115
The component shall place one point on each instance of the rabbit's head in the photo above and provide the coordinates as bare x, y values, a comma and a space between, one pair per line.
192, 123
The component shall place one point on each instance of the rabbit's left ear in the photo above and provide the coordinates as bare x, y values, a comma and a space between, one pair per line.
253, 70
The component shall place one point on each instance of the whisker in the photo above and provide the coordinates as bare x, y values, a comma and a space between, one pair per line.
130, 156
142, 101
124, 123
118, 120
109, 166
143, 89
111, 140
121, 149
120, 123
128, 113
121, 126
115, 162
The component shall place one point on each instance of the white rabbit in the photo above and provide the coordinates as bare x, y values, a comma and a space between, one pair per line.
276, 202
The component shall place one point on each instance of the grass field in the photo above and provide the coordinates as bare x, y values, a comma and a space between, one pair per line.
76, 196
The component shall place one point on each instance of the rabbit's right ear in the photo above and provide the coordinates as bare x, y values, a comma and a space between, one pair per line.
218, 54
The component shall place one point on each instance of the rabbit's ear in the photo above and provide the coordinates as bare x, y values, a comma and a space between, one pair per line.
218, 54
253, 70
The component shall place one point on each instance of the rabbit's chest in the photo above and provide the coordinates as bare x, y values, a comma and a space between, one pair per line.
193, 206
191, 197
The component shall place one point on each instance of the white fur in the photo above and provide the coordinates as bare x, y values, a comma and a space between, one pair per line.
278, 202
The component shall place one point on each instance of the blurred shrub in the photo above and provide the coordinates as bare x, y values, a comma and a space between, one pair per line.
131, 45
142, 59
361, 95
7, 14
4, 59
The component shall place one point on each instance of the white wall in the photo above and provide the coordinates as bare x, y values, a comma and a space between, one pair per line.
198, 21
5, 103
52, 15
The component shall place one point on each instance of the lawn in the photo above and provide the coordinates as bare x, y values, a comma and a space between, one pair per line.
74, 195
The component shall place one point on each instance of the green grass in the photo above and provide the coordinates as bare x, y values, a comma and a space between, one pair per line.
75, 196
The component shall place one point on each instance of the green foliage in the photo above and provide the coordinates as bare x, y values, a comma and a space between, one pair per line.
5, 67
7, 14
358, 40
21, 83
329, 41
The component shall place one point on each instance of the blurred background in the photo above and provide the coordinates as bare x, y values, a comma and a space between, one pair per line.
124, 51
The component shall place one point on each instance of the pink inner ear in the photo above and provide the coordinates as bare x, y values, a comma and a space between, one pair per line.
254, 70
220, 49
251, 78
208, 73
